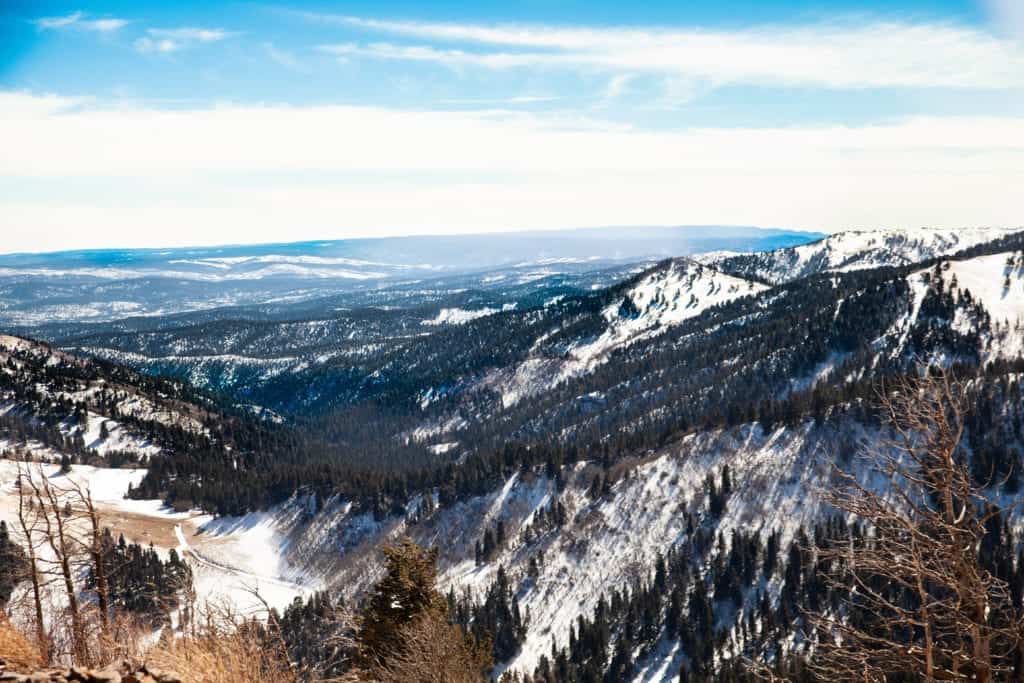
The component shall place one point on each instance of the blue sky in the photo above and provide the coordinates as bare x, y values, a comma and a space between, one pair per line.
207, 122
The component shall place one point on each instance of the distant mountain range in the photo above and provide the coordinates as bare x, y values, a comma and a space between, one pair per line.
430, 252
105, 285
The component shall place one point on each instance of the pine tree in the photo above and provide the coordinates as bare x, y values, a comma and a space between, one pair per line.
406, 591
12, 564
404, 634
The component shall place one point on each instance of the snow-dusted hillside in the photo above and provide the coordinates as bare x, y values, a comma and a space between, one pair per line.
671, 294
56, 406
608, 540
665, 296
230, 557
983, 297
613, 540
589, 435
98, 404
853, 250
995, 281
459, 316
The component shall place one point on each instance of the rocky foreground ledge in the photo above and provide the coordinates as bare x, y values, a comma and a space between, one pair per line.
124, 672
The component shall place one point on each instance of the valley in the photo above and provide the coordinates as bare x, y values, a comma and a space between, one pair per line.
589, 450
511, 342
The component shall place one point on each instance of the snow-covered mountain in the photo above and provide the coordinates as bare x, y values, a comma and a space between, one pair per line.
455, 363
988, 292
107, 285
852, 250
612, 465
648, 305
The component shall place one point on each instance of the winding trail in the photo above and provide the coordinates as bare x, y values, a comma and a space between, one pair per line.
249, 579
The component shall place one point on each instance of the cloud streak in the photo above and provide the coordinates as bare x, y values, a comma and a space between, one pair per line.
881, 54
167, 40
79, 20
448, 57
283, 57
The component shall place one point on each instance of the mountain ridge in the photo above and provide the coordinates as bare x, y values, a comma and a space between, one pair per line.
674, 475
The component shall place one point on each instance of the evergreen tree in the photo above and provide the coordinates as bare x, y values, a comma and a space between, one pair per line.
13, 564
406, 591
404, 633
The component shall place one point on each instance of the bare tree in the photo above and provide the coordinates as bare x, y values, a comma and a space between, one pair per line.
58, 536
28, 523
917, 599
336, 643
433, 651
94, 548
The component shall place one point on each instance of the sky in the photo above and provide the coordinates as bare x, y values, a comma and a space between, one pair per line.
148, 124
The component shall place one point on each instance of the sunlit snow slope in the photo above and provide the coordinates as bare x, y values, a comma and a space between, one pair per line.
853, 250
664, 296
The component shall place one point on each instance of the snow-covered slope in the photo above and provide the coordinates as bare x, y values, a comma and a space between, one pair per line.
667, 295
672, 294
994, 284
995, 281
614, 540
97, 408
230, 556
854, 250
459, 316
608, 540
54, 405
611, 538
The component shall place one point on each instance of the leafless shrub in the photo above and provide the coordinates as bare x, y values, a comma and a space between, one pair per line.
928, 607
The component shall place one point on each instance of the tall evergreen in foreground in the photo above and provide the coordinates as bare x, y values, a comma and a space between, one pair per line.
405, 635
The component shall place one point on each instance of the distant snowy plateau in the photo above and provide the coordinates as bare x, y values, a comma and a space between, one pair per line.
106, 285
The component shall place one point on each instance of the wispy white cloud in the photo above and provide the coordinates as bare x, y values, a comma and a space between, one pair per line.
79, 20
830, 55
283, 57
190, 33
617, 86
514, 100
105, 25
59, 22
166, 40
163, 45
424, 53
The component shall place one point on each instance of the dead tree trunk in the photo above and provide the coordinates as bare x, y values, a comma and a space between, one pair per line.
27, 521
94, 548
58, 537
